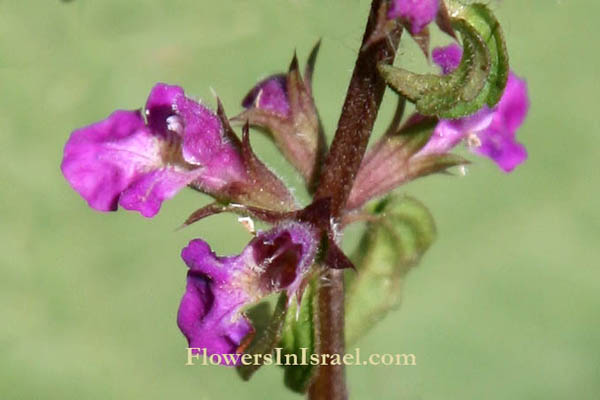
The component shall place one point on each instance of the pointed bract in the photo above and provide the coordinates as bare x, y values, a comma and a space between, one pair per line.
393, 161
282, 105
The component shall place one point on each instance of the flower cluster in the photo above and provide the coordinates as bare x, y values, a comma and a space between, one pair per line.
137, 159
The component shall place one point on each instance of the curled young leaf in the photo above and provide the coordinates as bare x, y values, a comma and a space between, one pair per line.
479, 79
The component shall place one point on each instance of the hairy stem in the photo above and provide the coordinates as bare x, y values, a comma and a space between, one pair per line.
329, 382
355, 125
359, 112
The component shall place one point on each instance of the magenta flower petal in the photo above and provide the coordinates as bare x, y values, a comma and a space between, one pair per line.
447, 57
417, 13
269, 94
514, 104
170, 112
160, 106
218, 288
147, 193
204, 144
501, 147
209, 313
103, 159
450, 132
498, 141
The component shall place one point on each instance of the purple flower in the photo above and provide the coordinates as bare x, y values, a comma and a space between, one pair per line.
137, 164
218, 288
448, 58
271, 95
417, 14
140, 163
489, 132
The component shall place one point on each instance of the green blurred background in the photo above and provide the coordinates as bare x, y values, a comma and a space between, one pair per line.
504, 306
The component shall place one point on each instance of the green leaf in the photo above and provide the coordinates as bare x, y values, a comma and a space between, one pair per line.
268, 333
298, 338
289, 327
394, 242
479, 79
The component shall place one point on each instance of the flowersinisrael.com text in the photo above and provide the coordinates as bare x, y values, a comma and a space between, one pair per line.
200, 356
